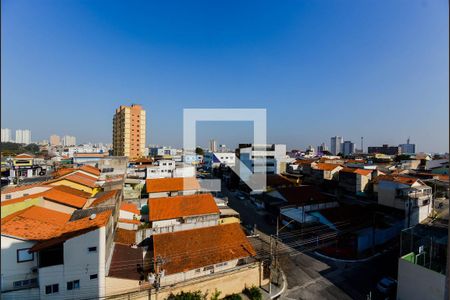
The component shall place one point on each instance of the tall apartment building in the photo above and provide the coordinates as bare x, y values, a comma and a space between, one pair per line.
129, 124
336, 144
23, 136
6, 135
69, 140
212, 146
55, 140
407, 148
348, 148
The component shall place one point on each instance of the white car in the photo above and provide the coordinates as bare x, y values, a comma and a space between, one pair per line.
386, 285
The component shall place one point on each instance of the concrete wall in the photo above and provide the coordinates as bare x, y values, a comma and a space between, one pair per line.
56, 206
29, 294
22, 193
416, 282
10, 268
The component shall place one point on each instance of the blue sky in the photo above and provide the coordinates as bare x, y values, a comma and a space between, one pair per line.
377, 69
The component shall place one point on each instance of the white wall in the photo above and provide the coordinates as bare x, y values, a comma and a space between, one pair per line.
11, 270
30, 191
416, 282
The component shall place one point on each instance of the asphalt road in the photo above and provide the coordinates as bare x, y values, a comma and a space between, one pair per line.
312, 277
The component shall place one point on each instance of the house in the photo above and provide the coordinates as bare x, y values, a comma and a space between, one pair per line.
85, 158
437, 166
182, 213
405, 193
215, 159
166, 187
185, 255
129, 216
60, 198
78, 181
19, 232
74, 259
12, 192
321, 172
355, 181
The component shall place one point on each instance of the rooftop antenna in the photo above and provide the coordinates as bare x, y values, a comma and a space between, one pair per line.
407, 141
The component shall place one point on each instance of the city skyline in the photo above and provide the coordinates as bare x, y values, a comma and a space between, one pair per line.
389, 62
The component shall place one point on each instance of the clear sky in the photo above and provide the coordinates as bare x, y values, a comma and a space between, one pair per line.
377, 69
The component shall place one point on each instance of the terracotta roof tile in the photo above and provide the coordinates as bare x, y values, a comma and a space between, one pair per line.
192, 249
133, 257
75, 228
126, 237
34, 223
363, 172
181, 206
158, 185
104, 197
24, 155
79, 178
12, 189
65, 198
128, 221
63, 171
130, 207
326, 166
90, 169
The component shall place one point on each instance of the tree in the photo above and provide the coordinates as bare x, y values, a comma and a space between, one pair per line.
197, 295
215, 295
253, 293
199, 151
232, 297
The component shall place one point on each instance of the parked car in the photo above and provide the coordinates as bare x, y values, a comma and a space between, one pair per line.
386, 285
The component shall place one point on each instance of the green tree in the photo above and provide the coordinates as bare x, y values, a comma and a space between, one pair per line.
197, 295
199, 151
253, 293
216, 294
233, 297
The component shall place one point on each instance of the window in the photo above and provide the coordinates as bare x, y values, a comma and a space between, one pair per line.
208, 268
93, 276
23, 255
51, 289
7, 197
17, 283
72, 285
92, 249
197, 271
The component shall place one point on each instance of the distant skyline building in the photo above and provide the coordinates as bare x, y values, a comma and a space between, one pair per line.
348, 148
55, 140
6, 135
129, 131
69, 140
385, 149
212, 146
323, 147
336, 144
407, 148
23, 136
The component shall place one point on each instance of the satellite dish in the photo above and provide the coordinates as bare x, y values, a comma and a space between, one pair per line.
92, 217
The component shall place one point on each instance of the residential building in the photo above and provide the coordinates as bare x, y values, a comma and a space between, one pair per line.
69, 140
385, 149
269, 158
176, 248
88, 158
23, 136
182, 213
405, 193
192, 158
129, 216
212, 146
6, 135
166, 187
336, 144
55, 140
355, 181
407, 148
215, 159
321, 172
348, 148
437, 166
423, 262
129, 131
166, 153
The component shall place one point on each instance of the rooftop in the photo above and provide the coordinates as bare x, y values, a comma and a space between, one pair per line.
158, 185
181, 206
192, 249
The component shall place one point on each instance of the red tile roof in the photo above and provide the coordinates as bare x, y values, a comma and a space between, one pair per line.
130, 207
63, 171
396, 178
34, 223
128, 221
79, 178
24, 155
158, 185
363, 172
326, 166
75, 228
191, 249
65, 197
126, 237
104, 197
181, 206
133, 257
90, 169
12, 189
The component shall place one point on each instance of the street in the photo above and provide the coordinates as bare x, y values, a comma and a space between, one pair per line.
312, 277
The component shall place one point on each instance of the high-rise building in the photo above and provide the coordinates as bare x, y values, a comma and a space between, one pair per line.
385, 149
336, 144
348, 148
129, 132
6, 135
23, 136
69, 140
212, 146
407, 148
55, 140
323, 147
